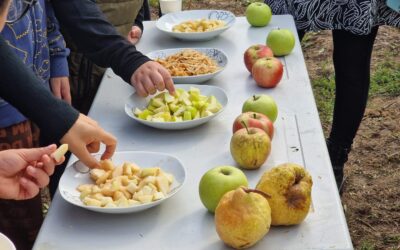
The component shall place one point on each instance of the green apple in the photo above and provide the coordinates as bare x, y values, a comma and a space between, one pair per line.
263, 104
218, 181
258, 14
281, 41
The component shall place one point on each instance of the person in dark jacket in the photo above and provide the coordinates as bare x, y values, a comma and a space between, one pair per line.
354, 26
127, 17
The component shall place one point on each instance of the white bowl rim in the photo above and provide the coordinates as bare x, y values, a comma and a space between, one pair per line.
230, 24
169, 195
198, 49
185, 122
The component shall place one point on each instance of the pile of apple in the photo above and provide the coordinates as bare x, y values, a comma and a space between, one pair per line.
260, 60
243, 216
253, 131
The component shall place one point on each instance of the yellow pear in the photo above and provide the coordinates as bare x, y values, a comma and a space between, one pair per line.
289, 186
242, 217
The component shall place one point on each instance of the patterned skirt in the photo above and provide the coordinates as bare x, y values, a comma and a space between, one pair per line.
356, 16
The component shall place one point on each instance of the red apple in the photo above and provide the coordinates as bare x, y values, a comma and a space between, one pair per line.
267, 72
254, 120
255, 52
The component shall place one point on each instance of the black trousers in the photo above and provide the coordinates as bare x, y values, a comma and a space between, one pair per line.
352, 61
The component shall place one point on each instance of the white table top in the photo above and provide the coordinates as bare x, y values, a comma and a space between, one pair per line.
182, 222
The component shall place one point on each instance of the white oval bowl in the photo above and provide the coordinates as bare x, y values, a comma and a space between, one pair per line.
135, 101
168, 21
71, 179
217, 55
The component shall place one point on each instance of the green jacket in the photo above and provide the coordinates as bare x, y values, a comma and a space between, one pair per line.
121, 13
85, 76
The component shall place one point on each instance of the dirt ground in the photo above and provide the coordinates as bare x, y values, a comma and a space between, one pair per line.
371, 194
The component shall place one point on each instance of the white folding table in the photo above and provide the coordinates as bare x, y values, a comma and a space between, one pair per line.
182, 222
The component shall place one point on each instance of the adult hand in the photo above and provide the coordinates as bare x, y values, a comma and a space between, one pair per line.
134, 35
24, 171
150, 77
60, 88
84, 137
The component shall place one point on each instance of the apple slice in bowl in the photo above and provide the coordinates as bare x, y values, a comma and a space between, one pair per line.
192, 106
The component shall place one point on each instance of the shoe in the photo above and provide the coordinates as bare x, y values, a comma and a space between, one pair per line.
339, 156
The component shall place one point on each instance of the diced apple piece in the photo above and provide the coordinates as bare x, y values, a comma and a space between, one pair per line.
145, 198
137, 111
147, 190
162, 184
168, 98
158, 196
132, 187
91, 202
96, 173
60, 152
133, 202
145, 114
179, 111
157, 102
126, 169
122, 202
150, 171
103, 178
85, 187
106, 164
110, 205
187, 116
117, 172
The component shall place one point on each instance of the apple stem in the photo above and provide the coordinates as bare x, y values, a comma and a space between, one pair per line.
255, 98
254, 115
245, 125
266, 196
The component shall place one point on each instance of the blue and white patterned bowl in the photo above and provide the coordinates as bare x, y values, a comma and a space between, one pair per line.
215, 54
168, 21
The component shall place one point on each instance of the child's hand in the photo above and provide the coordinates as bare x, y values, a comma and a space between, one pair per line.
24, 171
60, 88
134, 35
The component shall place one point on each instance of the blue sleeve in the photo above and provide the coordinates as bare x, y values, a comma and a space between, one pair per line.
58, 50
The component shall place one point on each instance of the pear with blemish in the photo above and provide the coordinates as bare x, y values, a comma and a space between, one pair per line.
289, 186
242, 217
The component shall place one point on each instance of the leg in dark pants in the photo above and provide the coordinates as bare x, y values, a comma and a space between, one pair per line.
351, 59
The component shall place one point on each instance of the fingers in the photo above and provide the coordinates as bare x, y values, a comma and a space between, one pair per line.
56, 87
93, 147
111, 144
30, 189
65, 90
38, 175
35, 154
47, 165
150, 77
167, 79
85, 157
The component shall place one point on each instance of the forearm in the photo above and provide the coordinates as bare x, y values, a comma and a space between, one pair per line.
22, 89
97, 38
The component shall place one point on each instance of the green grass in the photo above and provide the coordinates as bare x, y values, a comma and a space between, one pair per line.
365, 245
385, 80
